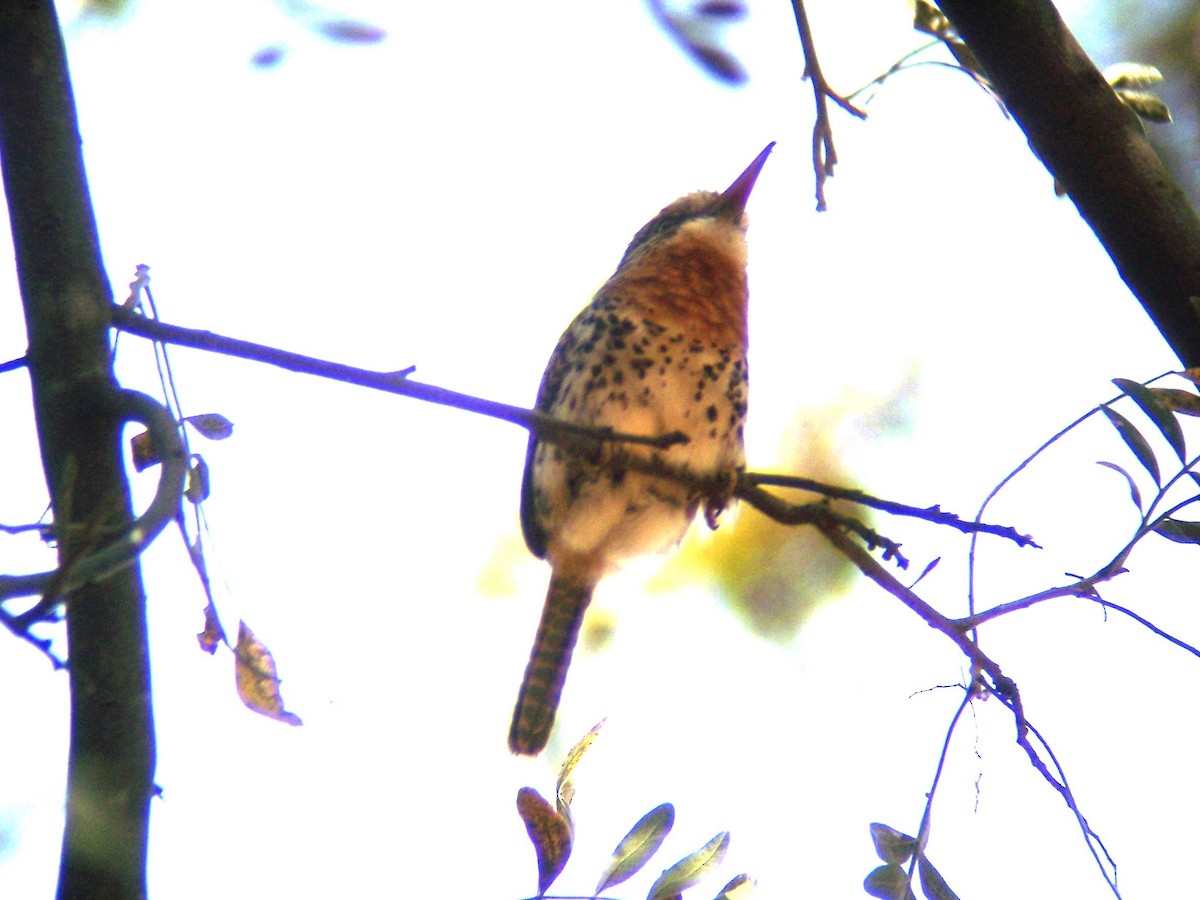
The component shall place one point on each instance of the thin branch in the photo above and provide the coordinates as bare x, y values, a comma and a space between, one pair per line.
934, 514
1058, 780
396, 382
824, 155
923, 831
810, 514
1166, 636
46, 531
12, 365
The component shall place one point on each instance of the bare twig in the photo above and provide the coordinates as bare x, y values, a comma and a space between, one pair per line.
934, 514
824, 155
1166, 636
397, 382
1058, 780
923, 831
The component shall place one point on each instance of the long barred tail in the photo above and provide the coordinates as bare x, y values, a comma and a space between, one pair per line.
566, 602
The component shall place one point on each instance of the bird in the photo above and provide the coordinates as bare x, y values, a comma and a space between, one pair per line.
660, 348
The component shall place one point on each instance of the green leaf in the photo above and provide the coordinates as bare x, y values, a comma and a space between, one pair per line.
1179, 530
1162, 416
892, 846
1134, 441
889, 882
690, 869
1134, 493
738, 888
1148, 106
932, 883
565, 788
549, 833
1131, 75
642, 841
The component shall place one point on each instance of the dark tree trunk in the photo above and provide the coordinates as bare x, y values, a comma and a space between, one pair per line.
66, 298
1096, 149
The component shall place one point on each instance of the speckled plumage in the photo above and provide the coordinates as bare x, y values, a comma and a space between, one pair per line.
661, 348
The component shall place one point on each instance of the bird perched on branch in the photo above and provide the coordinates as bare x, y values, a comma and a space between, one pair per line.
661, 348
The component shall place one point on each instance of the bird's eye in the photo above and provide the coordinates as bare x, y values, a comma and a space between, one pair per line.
664, 227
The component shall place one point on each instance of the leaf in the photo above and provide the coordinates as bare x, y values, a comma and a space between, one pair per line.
1134, 441
690, 869
267, 57
1162, 416
1193, 374
257, 680
348, 31
565, 790
1134, 493
932, 883
642, 841
1148, 106
213, 634
213, 426
892, 846
1179, 530
198, 486
1131, 75
1184, 403
738, 888
144, 454
928, 19
549, 833
730, 10
721, 64
929, 567
889, 882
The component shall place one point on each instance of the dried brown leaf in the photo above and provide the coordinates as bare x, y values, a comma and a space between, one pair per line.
257, 680
549, 833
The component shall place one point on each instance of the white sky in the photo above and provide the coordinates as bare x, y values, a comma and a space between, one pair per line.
449, 199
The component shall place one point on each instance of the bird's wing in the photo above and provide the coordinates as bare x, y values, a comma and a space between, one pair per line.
535, 534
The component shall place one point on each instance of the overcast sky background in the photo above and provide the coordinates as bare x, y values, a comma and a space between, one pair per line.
450, 198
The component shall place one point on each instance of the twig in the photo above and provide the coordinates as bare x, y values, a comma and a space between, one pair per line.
1167, 636
934, 514
1059, 783
398, 382
824, 156
923, 831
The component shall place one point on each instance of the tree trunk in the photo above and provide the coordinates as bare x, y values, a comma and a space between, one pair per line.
66, 298
1096, 149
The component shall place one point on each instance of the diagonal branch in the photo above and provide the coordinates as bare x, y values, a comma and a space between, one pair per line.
396, 382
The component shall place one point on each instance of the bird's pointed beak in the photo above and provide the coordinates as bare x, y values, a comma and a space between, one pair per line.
738, 193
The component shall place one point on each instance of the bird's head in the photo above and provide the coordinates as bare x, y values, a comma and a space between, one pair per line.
715, 218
